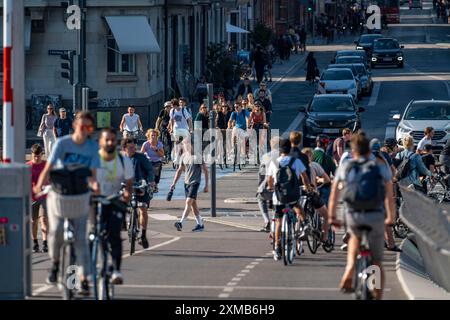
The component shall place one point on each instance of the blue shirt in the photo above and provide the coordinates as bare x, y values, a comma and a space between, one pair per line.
240, 119
62, 126
67, 152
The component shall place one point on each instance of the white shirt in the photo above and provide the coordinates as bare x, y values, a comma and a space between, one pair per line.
424, 142
180, 118
284, 161
111, 174
131, 122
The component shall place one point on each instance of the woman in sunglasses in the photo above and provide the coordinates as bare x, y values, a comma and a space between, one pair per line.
46, 129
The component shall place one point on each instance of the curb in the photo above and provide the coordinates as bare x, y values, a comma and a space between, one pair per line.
241, 200
412, 275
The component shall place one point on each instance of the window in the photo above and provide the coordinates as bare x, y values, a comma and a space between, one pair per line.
119, 63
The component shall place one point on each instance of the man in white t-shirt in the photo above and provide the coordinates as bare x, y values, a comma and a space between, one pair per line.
130, 123
427, 139
180, 125
114, 169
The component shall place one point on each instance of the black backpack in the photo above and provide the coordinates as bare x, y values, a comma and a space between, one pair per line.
366, 191
287, 187
404, 168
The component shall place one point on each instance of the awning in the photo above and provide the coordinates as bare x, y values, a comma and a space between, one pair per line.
133, 34
27, 31
233, 29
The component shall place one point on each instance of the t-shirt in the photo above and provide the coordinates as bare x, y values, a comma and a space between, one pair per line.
296, 153
180, 118
324, 160
316, 171
193, 168
338, 144
240, 119
66, 151
203, 119
36, 170
341, 175
297, 166
131, 122
151, 154
63, 126
112, 173
428, 160
423, 142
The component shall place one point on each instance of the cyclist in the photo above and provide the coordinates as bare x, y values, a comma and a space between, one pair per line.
193, 166
427, 139
130, 122
114, 169
162, 124
263, 86
76, 148
266, 103
373, 216
325, 161
154, 150
300, 171
239, 122
180, 125
143, 170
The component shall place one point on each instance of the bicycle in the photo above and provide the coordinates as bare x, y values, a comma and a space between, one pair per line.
102, 271
167, 145
363, 262
438, 187
132, 134
133, 222
288, 235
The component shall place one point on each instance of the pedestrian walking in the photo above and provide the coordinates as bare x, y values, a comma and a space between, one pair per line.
153, 148
311, 69
46, 129
62, 125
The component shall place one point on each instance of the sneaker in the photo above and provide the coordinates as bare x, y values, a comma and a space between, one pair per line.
53, 275
84, 288
266, 228
198, 228
44, 247
344, 247
36, 248
144, 242
178, 225
277, 255
116, 277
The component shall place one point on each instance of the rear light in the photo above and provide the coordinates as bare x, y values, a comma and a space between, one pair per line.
365, 253
4, 220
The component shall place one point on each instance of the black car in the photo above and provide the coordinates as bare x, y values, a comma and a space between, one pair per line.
329, 114
365, 42
387, 51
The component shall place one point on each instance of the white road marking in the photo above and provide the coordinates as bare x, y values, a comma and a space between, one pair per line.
241, 275
255, 262
231, 224
224, 295
228, 289
230, 284
47, 287
245, 271
162, 216
375, 92
250, 266
236, 279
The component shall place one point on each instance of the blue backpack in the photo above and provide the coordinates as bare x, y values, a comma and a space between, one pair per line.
366, 191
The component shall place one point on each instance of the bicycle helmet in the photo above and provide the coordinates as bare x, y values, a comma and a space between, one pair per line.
390, 142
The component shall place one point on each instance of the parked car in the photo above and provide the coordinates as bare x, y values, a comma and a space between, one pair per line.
347, 53
329, 114
355, 74
352, 59
365, 78
420, 114
337, 80
387, 51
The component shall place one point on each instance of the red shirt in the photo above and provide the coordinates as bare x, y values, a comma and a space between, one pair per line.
36, 170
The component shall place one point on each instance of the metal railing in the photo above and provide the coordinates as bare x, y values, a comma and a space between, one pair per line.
430, 222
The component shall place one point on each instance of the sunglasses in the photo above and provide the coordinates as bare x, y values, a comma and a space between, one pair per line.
88, 129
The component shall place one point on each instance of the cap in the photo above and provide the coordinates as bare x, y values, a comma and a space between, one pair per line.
375, 144
62, 109
167, 104
390, 142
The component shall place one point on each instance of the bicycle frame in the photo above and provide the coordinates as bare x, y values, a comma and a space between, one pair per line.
363, 261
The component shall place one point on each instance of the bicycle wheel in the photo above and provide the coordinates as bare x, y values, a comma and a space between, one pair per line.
438, 191
312, 240
106, 287
332, 238
96, 271
68, 280
400, 229
362, 291
287, 240
235, 157
298, 242
132, 230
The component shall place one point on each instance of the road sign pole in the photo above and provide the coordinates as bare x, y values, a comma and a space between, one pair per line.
81, 55
212, 170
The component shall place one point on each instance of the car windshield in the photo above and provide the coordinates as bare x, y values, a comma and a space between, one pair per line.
386, 44
358, 53
428, 112
360, 69
337, 75
348, 59
332, 104
345, 66
368, 39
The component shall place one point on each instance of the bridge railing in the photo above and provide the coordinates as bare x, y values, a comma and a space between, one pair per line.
430, 222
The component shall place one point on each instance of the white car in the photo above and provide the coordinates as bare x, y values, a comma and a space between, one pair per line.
338, 80
420, 114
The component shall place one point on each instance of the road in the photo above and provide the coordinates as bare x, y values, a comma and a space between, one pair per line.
231, 259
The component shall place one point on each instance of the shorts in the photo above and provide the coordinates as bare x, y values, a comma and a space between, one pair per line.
279, 209
317, 201
375, 220
191, 190
38, 209
144, 200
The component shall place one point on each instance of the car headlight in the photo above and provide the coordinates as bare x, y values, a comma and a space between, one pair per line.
359, 48
374, 59
403, 129
400, 58
447, 130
